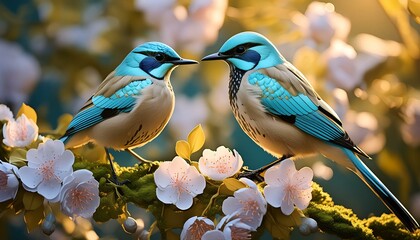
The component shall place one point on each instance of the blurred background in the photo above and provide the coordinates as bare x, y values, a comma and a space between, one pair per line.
363, 57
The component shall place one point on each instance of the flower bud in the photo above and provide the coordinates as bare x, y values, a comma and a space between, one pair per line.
48, 225
130, 225
308, 226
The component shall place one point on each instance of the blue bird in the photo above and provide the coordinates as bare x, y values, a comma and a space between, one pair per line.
132, 105
277, 107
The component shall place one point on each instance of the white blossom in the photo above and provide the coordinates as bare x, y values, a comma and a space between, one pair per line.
220, 164
234, 228
5, 113
178, 183
9, 183
20, 133
248, 204
48, 165
287, 187
79, 195
195, 227
19, 73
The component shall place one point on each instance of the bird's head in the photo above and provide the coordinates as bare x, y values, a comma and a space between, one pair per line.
152, 58
247, 51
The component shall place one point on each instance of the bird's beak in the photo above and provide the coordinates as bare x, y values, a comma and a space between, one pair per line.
183, 61
214, 56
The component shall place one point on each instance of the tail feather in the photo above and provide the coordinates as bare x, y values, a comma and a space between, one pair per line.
382, 192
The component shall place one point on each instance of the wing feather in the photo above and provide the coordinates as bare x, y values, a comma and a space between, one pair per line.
116, 94
286, 94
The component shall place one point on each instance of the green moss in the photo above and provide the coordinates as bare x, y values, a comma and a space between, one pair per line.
141, 190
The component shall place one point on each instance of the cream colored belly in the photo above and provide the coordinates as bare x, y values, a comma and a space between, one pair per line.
134, 129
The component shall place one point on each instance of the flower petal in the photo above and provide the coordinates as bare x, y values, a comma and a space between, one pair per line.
49, 189
185, 201
197, 182
161, 175
274, 195
231, 205
30, 176
213, 235
287, 206
303, 198
303, 178
167, 195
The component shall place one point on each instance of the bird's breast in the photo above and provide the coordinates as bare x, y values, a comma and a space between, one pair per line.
140, 126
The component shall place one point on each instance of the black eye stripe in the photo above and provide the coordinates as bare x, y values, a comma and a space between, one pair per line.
233, 51
165, 57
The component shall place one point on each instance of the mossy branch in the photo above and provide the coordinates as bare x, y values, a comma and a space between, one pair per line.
141, 191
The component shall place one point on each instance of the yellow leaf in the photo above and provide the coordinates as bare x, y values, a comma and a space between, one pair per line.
233, 184
18, 157
414, 9
182, 149
28, 111
196, 138
32, 200
278, 224
63, 123
33, 218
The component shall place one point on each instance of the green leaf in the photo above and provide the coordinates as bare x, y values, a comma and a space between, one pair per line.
33, 218
182, 149
196, 139
28, 111
18, 157
32, 200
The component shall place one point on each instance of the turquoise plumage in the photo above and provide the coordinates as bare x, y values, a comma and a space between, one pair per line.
132, 105
279, 109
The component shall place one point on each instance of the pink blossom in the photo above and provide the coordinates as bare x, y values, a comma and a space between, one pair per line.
5, 113
220, 164
247, 204
79, 195
20, 133
19, 73
322, 24
48, 165
9, 183
178, 183
287, 187
195, 227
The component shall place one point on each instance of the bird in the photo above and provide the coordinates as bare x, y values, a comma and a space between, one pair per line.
131, 106
276, 106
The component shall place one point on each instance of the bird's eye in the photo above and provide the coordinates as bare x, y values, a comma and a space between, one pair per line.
159, 57
240, 50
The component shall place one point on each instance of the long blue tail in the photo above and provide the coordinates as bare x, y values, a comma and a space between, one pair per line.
382, 192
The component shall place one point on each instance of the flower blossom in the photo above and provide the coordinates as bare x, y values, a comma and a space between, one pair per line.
19, 74
5, 113
79, 195
195, 227
247, 204
20, 133
287, 187
234, 228
321, 24
220, 164
178, 183
191, 28
9, 184
47, 167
